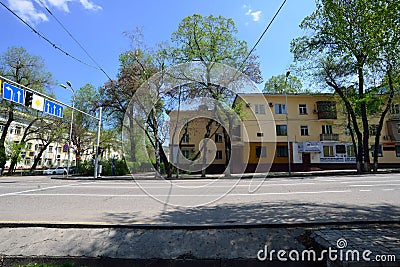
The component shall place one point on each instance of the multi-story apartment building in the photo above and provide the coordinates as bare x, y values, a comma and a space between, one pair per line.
309, 130
56, 153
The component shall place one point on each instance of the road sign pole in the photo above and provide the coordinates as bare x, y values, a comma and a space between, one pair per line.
96, 159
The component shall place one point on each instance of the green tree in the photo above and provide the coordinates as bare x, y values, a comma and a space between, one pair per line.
210, 40
84, 128
22, 68
137, 65
351, 47
281, 84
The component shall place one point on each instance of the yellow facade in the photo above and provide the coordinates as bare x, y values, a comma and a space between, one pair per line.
314, 126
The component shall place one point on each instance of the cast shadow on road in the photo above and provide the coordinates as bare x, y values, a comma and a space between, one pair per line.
264, 213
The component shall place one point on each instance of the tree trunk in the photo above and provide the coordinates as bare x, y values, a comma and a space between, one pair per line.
3, 155
382, 120
39, 156
364, 116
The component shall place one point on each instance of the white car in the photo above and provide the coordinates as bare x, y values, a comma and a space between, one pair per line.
56, 170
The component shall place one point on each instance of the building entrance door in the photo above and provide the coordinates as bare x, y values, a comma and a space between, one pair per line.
306, 157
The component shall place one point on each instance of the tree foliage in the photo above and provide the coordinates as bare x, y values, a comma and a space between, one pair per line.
281, 84
211, 39
25, 69
351, 47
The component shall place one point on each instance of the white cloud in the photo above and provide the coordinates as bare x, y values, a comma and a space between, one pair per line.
89, 5
27, 10
256, 15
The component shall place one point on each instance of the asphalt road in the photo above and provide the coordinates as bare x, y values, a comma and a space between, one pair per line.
198, 202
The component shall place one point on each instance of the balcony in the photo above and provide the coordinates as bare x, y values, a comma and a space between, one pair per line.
393, 127
329, 137
326, 110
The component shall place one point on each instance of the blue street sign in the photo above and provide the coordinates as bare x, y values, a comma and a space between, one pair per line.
53, 108
13, 93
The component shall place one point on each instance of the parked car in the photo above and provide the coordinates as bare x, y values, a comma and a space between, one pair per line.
55, 170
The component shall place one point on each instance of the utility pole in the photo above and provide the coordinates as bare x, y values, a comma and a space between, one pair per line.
287, 124
96, 159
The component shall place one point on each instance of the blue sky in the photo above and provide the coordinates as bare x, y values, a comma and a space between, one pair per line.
99, 25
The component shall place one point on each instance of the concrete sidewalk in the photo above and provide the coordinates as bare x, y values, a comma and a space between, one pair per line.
137, 246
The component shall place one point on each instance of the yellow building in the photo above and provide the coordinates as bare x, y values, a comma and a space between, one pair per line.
314, 126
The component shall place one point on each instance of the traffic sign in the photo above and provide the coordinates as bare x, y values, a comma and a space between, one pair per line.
53, 108
38, 102
13, 93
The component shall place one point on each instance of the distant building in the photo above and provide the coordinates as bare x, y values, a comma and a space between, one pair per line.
55, 155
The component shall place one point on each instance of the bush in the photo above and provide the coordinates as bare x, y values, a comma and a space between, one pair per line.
120, 168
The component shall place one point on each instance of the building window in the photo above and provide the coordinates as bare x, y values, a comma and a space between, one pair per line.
304, 130
380, 153
187, 153
218, 138
260, 134
18, 130
395, 109
350, 151
397, 151
340, 149
185, 138
373, 129
259, 108
281, 130
261, 152
281, 151
29, 146
1, 127
347, 130
59, 149
218, 154
302, 109
327, 129
50, 149
280, 109
328, 151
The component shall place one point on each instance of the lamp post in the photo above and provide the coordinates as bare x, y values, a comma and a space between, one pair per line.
72, 120
287, 123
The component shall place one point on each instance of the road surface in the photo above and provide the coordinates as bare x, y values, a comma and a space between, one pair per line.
199, 202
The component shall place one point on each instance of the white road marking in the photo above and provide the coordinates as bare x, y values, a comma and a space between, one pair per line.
187, 187
371, 185
34, 190
194, 195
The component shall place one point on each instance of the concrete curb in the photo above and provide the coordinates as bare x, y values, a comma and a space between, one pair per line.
299, 175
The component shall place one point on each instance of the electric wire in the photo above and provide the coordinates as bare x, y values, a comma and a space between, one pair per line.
262, 35
46, 39
75, 40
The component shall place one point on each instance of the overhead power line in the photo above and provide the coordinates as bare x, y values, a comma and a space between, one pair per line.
262, 35
75, 40
46, 39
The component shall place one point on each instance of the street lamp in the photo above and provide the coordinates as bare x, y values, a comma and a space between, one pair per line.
287, 123
72, 120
